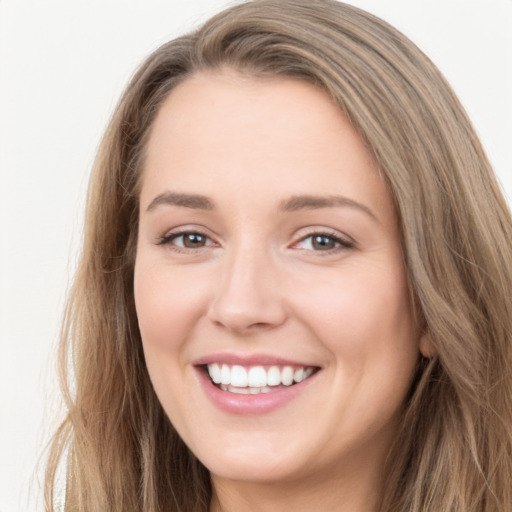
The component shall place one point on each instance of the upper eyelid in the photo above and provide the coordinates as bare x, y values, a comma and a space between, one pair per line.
170, 235
183, 230
324, 231
340, 241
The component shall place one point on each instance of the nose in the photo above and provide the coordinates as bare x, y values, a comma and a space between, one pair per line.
249, 298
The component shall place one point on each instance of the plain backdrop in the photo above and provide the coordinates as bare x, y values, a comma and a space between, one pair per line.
63, 64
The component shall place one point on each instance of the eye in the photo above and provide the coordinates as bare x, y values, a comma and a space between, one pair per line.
187, 240
323, 242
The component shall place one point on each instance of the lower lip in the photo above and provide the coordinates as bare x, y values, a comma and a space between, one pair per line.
261, 403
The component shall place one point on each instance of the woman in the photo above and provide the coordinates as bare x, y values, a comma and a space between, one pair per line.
294, 285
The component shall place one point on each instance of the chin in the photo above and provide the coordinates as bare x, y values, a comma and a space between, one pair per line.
257, 464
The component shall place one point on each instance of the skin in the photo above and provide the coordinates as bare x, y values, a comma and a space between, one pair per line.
256, 284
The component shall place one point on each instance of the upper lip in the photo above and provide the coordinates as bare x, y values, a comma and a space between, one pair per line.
248, 360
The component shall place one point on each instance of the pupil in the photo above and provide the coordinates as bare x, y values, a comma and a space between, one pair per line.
193, 240
323, 242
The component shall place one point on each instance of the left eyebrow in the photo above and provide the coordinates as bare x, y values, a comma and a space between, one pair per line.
307, 202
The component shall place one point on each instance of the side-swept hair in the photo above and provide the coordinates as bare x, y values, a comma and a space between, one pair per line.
455, 452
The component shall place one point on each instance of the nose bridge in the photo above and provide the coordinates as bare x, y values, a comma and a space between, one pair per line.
248, 295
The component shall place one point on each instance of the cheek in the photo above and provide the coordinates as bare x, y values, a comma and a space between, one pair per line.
359, 303
168, 305
364, 318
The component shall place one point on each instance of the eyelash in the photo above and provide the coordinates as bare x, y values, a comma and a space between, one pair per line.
171, 237
341, 243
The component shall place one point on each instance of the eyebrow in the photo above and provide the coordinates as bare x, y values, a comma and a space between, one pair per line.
308, 202
185, 200
293, 204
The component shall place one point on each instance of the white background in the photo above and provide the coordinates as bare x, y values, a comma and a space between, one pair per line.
62, 66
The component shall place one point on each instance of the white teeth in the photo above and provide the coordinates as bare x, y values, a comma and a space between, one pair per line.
239, 377
214, 371
225, 374
287, 376
307, 373
255, 379
240, 391
298, 376
273, 376
246, 391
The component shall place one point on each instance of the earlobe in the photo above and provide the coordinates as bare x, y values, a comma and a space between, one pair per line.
426, 346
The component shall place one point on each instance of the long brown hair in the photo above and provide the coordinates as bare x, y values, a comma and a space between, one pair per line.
119, 450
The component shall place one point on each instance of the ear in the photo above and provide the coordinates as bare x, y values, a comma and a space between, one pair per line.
426, 346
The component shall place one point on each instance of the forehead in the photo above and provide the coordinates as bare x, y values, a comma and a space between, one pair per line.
272, 137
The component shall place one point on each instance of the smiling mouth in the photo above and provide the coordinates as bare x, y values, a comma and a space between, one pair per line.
253, 380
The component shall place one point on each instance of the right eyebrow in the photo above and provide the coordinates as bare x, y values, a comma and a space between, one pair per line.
185, 200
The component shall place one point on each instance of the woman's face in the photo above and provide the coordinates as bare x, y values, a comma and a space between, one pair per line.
268, 253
